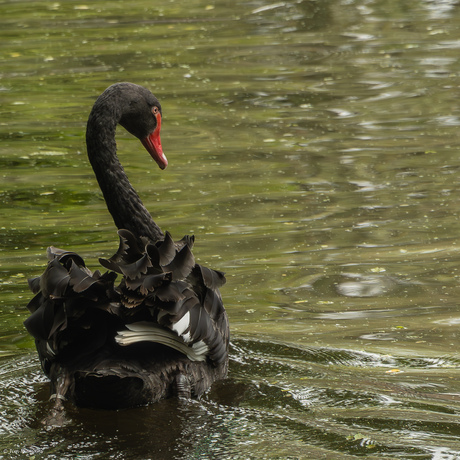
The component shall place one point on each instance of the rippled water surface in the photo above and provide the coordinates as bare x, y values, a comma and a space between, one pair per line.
314, 153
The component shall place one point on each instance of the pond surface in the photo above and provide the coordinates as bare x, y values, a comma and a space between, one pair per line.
313, 149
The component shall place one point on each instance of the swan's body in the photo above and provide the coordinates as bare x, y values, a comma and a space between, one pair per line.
160, 331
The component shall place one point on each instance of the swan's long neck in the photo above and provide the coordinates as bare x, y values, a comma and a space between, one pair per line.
122, 201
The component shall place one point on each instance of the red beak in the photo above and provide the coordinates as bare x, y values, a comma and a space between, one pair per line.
152, 143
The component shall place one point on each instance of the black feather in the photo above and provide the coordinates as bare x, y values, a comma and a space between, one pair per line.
80, 280
182, 264
212, 279
166, 250
55, 280
34, 284
137, 268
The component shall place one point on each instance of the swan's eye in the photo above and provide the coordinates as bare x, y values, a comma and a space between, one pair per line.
155, 110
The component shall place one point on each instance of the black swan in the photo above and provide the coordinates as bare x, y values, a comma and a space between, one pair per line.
162, 330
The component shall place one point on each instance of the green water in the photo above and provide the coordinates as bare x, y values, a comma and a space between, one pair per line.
313, 150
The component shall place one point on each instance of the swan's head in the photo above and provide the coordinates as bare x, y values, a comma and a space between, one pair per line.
141, 116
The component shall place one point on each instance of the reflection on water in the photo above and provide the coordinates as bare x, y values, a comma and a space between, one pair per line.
313, 153
281, 401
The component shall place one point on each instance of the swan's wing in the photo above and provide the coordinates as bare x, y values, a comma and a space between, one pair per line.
70, 309
165, 287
